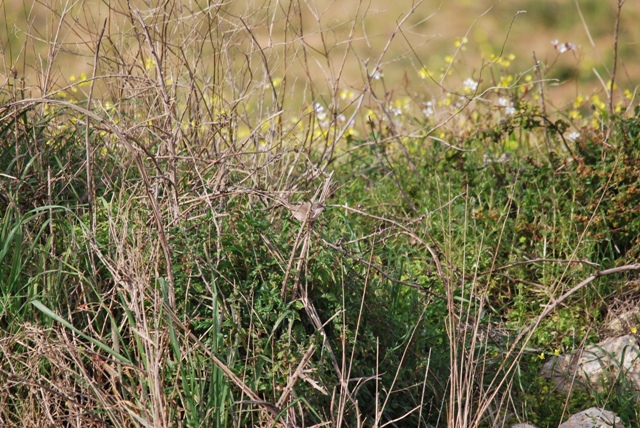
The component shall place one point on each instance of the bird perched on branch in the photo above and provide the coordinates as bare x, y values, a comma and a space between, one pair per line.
305, 211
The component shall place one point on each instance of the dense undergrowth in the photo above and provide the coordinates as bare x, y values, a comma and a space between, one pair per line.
151, 277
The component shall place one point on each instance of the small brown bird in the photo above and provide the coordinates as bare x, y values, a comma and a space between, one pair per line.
306, 211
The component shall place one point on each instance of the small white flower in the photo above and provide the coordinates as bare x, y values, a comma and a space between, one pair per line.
319, 110
505, 103
427, 109
470, 83
377, 75
573, 136
563, 47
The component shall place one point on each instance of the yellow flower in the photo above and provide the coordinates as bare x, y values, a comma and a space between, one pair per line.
346, 94
505, 81
402, 102
504, 61
460, 41
627, 94
351, 132
541, 356
634, 330
83, 79
575, 114
618, 107
595, 99
578, 101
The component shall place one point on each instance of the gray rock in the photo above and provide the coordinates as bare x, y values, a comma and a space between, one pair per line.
624, 322
596, 364
593, 418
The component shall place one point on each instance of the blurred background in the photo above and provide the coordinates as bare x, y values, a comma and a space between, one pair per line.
455, 38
